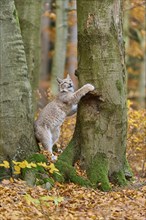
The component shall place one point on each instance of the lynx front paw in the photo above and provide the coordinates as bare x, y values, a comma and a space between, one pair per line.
90, 87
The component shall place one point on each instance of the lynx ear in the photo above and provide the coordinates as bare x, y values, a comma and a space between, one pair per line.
59, 80
68, 76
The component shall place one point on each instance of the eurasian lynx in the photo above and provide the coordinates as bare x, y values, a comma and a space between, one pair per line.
47, 126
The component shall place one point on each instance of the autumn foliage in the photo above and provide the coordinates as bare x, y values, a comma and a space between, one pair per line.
135, 35
69, 201
136, 151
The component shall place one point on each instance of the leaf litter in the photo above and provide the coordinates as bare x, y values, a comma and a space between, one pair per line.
68, 201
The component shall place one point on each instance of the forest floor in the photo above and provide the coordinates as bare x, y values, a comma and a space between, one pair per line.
68, 201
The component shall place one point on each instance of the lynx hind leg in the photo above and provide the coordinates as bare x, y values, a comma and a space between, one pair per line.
45, 137
47, 142
55, 135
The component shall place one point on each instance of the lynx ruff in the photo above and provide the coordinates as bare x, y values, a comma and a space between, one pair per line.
47, 126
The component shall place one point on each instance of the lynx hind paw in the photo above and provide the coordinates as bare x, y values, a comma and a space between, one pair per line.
53, 157
90, 87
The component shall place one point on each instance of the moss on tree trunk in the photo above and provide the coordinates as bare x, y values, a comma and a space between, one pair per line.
100, 134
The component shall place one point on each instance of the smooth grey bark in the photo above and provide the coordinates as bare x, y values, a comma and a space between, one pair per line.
45, 41
72, 59
100, 137
29, 13
72, 48
60, 43
126, 27
142, 81
103, 125
16, 114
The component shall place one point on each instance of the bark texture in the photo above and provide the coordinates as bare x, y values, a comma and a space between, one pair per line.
16, 119
101, 126
29, 13
60, 43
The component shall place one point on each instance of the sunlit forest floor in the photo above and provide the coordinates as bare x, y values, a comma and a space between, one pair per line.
72, 202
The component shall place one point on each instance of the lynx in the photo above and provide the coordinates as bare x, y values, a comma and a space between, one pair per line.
47, 126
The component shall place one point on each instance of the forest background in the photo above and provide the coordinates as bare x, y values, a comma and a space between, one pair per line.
75, 207
135, 54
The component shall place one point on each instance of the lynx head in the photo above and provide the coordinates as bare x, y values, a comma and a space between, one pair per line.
65, 85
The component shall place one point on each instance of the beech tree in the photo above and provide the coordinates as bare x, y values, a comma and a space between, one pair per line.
16, 113
60, 43
99, 140
29, 15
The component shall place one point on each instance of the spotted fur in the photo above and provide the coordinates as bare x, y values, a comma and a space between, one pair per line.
47, 126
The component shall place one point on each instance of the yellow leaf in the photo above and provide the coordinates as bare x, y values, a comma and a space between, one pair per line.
42, 164
11, 180
17, 169
52, 168
129, 103
30, 200
55, 199
47, 198
23, 164
33, 164
58, 199
15, 162
5, 164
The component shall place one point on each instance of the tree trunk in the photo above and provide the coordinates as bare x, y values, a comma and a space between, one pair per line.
45, 41
16, 114
29, 13
72, 45
60, 43
100, 134
142, 82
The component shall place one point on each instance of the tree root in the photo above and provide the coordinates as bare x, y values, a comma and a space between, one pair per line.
119, 178
97, 171
68, 173
65, 165
127, 170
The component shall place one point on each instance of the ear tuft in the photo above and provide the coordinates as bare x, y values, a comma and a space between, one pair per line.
59, 80
68, 76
